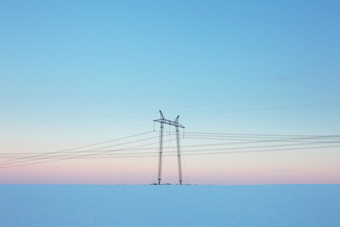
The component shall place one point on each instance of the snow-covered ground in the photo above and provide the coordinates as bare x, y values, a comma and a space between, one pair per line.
169, 205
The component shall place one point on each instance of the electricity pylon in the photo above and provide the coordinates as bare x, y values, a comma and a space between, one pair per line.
175, 123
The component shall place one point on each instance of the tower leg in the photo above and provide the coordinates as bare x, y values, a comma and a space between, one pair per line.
179, 157
160, 154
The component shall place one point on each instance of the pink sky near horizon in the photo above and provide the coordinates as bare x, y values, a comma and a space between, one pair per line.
217, 170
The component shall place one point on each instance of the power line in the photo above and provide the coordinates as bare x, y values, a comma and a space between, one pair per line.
272, 142
258, 135
56, 158
152, 154
111, 153
49, 154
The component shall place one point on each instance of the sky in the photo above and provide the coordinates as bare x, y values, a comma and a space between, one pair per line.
74, 73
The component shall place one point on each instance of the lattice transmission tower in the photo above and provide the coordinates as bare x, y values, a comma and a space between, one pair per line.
175, 123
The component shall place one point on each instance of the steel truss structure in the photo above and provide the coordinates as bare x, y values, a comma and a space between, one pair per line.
176, 124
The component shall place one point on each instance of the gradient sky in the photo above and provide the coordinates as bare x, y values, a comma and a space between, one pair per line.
78, 72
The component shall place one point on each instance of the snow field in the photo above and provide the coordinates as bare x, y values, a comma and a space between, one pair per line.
169, 205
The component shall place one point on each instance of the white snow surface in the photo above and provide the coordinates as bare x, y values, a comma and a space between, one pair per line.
169, 205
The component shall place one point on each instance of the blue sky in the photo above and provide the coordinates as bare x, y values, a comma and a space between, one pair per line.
244, 67
192, 52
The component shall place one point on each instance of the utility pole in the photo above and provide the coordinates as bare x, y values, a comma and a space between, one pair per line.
175, 123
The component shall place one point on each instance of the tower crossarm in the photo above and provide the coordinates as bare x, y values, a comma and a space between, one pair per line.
169, 122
